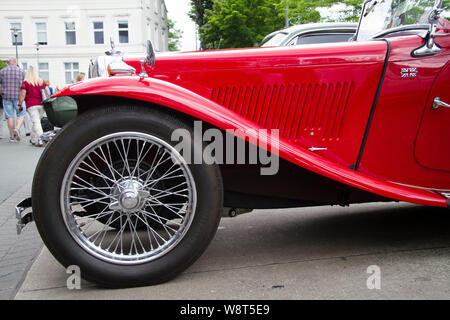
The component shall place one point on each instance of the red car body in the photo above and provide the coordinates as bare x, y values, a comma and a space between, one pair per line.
354, 122
367, 105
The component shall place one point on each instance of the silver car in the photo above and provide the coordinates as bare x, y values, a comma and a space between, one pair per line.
311, 33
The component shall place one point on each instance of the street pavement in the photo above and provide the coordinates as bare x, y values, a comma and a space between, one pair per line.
302, 253
17, 164
308, 253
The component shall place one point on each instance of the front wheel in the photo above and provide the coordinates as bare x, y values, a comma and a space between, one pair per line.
112, 195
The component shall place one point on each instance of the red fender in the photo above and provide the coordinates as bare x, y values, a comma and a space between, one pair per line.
177, 98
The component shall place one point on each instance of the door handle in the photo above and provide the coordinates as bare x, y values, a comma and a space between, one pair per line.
438, 103
314, 149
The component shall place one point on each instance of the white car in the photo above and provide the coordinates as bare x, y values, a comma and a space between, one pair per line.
311, 33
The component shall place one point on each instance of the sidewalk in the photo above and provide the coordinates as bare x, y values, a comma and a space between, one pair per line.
16, 253
17, 164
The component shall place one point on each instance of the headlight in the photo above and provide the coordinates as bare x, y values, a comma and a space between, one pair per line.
120, 68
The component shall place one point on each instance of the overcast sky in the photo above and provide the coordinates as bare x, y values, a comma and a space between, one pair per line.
178, 10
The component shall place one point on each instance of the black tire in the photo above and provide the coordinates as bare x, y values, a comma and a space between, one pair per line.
50, 218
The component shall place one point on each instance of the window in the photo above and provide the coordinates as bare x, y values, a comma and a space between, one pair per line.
43, 71
25, 66
71, 37
123, 31
18, 29
99, 37
71, 70
41, 29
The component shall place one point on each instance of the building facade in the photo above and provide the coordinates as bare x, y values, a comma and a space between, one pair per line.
61, 37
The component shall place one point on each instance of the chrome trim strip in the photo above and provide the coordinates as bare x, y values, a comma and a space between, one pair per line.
419, 187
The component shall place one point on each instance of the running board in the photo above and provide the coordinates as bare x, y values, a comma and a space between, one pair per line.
23, 218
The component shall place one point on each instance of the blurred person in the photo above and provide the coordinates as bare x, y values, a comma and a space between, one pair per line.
27, 122
11, 78
47, 83
2, 117
80, 77
31, 93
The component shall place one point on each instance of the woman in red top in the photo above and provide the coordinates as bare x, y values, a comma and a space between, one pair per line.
31, 92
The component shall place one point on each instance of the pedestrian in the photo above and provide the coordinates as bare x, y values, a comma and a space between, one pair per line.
31, 93
80, 77
11, 78
2, 117
47, 83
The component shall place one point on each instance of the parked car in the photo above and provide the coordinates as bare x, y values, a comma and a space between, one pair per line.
311, 33
116, 191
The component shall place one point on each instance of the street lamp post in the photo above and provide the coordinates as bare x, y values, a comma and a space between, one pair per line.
37, 56
15, 32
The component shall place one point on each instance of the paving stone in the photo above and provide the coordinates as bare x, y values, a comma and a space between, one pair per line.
16, 252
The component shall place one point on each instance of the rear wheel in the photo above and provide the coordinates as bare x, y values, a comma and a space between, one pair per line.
112, 195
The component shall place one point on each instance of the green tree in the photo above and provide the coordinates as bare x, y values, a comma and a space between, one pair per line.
353, 10
198, 12
244, 23
174, 36
2, 64
239, 23
303, 11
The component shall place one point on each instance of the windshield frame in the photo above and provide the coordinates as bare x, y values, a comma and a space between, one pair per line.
432, 19
279, 36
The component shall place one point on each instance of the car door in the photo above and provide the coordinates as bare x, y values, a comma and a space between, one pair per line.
433, 138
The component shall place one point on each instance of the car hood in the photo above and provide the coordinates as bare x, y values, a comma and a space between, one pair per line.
317, 54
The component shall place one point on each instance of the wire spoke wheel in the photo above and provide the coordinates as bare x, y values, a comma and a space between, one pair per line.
128, 198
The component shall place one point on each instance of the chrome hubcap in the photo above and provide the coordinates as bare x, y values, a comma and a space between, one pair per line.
128, 196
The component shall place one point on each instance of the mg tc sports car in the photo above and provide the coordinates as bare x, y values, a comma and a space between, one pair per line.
132, 189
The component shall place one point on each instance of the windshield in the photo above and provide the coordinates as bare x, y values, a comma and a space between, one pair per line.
275, 40
381, 15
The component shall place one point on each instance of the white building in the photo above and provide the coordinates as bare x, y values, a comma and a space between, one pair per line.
62, 36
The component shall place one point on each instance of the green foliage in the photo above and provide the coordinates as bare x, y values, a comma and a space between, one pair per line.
174, 36
198, 12
239, 23
2, 64
353, 10
244, 23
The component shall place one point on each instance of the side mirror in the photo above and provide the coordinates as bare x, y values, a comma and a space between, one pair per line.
149, 55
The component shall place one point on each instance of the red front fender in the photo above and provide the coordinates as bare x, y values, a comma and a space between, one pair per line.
177, 98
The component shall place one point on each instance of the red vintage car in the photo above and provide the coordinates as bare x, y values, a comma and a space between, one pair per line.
133, 189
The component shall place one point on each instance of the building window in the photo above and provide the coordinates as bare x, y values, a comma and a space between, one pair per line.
123, 31
41, 28
71, 37
71, 70
18, 27
43, 71
25, 66
99, 37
